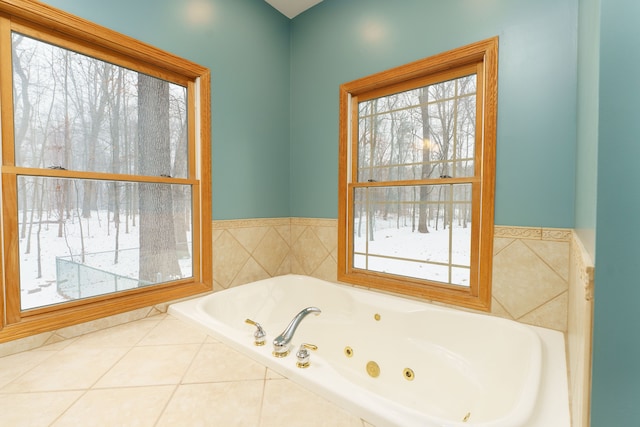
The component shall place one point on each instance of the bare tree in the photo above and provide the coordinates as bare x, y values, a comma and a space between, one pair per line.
114, 110
91, 86
158, 259
426, 158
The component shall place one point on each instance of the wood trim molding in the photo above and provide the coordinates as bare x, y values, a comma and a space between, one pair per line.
54, 24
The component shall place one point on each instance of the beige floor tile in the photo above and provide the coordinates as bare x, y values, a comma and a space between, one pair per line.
233, 404
286, 403
71, 368
11, 367
150, 365
218, 362
136, 406
198, 383
173, 331
35, 409
126, 335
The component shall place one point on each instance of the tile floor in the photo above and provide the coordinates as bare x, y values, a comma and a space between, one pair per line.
158, 371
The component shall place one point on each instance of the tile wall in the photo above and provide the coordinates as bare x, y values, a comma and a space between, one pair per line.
530, 277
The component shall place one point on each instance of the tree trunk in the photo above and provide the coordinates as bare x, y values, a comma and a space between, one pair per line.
426, 167
158, 260
115, 160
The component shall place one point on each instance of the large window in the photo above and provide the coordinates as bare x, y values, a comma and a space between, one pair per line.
105, 172
417, 160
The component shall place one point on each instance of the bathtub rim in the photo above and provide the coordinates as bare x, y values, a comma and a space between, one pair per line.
551, 407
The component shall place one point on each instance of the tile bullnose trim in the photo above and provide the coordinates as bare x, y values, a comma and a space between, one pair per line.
557, 234
223, 224
315, 222
517, 232
533, 233
584, 265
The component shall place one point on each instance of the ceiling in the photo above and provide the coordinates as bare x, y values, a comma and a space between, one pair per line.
291, 8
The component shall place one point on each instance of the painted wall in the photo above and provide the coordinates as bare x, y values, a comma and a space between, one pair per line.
587, 125
616, 373
245, 44
275, 105
338, 41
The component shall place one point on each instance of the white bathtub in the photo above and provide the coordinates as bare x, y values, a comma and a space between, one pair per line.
466, 369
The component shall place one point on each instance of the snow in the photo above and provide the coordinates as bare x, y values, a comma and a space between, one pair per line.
409, 253
99, 236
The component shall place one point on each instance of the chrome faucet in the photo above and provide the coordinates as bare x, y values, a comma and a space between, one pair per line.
281, 342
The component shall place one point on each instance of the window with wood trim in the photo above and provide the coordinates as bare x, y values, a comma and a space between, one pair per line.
417, 177
106, 203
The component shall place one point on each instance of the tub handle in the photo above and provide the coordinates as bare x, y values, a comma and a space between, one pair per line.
303, 355
259, 335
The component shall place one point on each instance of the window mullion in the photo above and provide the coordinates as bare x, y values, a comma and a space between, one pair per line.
6, 94
10, 234
57, 173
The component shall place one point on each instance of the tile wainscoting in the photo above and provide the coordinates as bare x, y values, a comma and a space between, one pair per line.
530, 275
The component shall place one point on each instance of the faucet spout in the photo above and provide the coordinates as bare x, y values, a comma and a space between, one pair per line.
281, 342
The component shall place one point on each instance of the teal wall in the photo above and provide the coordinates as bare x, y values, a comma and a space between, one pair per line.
275, 90
616, 369
245, 44
587, 124
338, 41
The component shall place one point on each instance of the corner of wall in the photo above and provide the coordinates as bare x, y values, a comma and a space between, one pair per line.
580, 332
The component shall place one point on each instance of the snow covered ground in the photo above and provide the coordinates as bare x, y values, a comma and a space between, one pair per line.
412, 254
99, 239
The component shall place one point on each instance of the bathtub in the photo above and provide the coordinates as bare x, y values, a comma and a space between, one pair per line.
394, 361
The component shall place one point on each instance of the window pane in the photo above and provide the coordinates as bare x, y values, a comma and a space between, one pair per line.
414, 231
423, 133
84, 114
81, 238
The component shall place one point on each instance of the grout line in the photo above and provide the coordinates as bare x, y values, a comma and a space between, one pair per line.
556, 272
91, 387
264, 388
180, 382
540, 306
505, 246
56, 419
267, 270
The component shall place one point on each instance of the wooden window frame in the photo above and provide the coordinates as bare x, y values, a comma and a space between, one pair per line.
484, 56
55, 26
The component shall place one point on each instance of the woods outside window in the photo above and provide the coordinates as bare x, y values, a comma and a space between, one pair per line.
105, 172
416, 176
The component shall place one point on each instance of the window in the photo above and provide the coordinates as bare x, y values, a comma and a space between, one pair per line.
105, 172
416, 177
